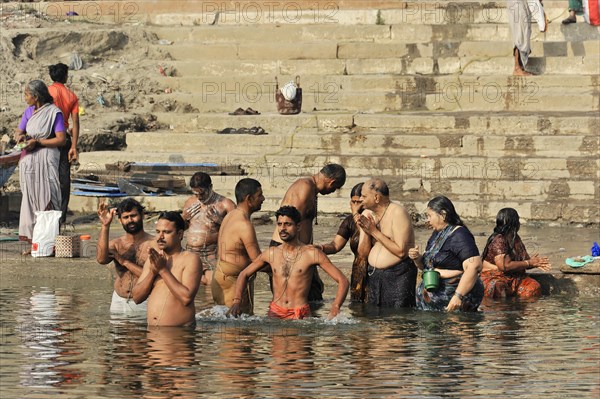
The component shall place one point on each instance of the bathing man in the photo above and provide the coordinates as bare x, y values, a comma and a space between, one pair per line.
204, 212
386, 236
129, 252
302, 195
238, 246
171, 276
293, 264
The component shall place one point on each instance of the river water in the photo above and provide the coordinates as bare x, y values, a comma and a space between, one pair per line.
59, 340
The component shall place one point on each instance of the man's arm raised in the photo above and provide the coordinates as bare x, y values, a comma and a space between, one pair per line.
339, 278
184, 291
104, 248
242, 280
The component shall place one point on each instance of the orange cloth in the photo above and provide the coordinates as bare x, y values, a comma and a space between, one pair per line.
288, 314
64, 99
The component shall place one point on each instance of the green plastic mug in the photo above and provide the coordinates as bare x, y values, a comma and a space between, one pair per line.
431, 280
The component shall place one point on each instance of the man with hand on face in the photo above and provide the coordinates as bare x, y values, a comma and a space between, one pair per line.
293, 264
204, 212
238, 245
171, 276
129, 252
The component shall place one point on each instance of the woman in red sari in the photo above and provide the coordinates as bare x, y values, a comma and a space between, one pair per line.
506, 261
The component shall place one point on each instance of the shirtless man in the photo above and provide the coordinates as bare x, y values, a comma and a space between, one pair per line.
129, 252
293, 264
204, 212
386, 236
302, 195
238, 245
171, 276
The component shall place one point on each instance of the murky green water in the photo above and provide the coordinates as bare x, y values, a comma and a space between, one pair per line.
61, 342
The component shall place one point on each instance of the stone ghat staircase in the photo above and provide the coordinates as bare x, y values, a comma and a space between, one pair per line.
420, 94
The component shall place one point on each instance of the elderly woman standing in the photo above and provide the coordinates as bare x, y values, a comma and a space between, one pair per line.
452, 252
42, 130
508, 261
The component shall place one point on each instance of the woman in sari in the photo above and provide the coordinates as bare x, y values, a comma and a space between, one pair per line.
451, 250
349, 231
506, 261
42, 130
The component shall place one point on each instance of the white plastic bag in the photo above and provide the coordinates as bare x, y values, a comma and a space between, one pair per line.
47, 224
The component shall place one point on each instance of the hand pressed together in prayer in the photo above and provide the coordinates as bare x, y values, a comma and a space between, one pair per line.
367, 224
158, 260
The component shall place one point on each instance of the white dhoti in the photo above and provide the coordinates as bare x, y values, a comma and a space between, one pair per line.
124, 305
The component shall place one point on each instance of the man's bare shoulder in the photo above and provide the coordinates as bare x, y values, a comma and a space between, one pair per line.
399, 210
188, 259
301, 188
227, 204
189, 201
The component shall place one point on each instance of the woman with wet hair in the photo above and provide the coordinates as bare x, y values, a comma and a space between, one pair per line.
349, 231
506, 261
451, 251
42, 131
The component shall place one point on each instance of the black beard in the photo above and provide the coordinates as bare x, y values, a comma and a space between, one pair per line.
133, 228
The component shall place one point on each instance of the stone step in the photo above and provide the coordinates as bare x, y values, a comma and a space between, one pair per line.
540, 123
410, 32
429, 145
518, 166
367, 50
468, 208
275, 185
491, 97
572, 65
223, 86
255, 13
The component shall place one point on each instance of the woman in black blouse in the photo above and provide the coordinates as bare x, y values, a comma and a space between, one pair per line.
349, 231
451, 250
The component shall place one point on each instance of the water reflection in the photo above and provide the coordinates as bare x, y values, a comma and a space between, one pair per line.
67, 344
48, 336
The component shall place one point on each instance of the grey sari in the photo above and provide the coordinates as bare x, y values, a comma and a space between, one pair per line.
38, 171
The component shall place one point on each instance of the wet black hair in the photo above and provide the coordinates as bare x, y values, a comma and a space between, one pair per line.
507, 225
441, 204
129, 204
335, 172
356, 190
175, 217
58, 72
290, 212
246, 187
200, 180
